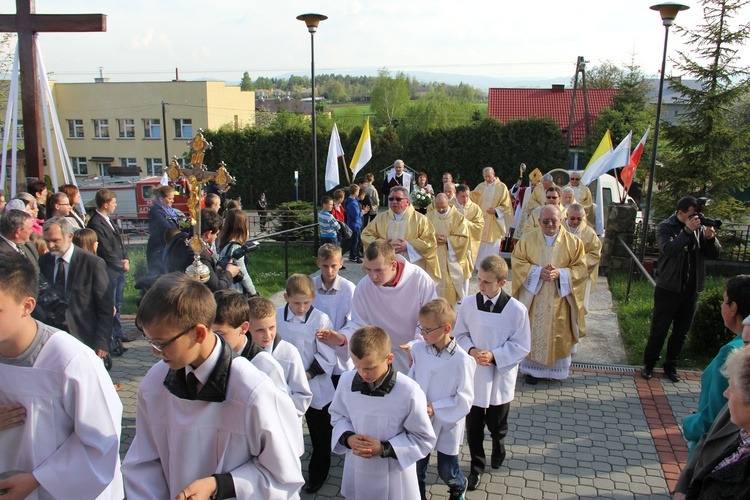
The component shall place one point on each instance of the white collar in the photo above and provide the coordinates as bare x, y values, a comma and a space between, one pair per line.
550, 240
203, 372
400, 216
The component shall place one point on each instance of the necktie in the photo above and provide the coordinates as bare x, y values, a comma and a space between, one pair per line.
488, 305
191, 383
60, 275
19, 249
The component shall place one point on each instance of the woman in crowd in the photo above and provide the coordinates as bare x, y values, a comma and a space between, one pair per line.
233, 235
75, 217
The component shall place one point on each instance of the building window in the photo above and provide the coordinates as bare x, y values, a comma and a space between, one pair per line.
103, 168
126, 128
154, 166
75, 129
101, 129
79, 165
152, 128
128, 163
183, 128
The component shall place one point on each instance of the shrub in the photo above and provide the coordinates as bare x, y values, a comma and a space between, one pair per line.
290, 215
708, 332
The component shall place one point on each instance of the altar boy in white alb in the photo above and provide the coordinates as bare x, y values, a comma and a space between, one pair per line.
208, 422
494, 329
47, 378
380, 423
446, 374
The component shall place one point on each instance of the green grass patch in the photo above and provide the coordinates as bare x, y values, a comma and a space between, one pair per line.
347, 110
707, 335
266, 266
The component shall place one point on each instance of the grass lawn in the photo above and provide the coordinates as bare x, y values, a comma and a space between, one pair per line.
266, 266
634, 318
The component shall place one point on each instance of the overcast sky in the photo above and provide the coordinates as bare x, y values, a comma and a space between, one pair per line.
148, 39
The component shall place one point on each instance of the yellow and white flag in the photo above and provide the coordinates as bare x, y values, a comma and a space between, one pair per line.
363, 153
598, 160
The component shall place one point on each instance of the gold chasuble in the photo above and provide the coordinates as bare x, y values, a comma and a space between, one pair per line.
583, 196
533, 221
496, 196
556, 322
455, 268
592, 245
537, 198
413, 227
475, 222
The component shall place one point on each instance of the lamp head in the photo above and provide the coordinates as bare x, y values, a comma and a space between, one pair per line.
668, 11
312, 21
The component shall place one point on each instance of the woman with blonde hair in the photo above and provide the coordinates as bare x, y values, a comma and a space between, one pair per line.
233, 235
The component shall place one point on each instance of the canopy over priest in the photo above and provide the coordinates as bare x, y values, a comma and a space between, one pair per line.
494, 199
452, 235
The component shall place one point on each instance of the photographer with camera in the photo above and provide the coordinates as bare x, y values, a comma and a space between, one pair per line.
684, 242
180, 256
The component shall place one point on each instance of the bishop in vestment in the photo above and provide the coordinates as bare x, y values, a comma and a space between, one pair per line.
452, 236
494, 199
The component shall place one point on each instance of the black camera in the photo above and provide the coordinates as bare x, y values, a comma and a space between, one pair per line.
238, 254
703, 202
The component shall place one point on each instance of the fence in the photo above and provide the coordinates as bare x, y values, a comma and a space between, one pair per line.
734, 238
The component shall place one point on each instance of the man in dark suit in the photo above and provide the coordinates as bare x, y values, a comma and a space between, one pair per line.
15, 230
112, 250
81, 278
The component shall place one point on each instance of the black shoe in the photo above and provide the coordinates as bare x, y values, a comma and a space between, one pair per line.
647, 372
671, 374
312, 487
530, 379
356, 261
498, 455
474, 480
458, 494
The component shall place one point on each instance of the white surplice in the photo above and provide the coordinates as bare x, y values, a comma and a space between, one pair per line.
337, 304
448, 383
399, 417
70, 440
253, 434
394, 309
294, 370
507, 335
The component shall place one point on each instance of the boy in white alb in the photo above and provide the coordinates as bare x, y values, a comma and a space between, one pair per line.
494, 329
333, 296
380, 423
209, 424
46, 378
446, 374
298, 323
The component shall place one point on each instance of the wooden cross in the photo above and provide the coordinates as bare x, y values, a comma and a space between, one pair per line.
27, 23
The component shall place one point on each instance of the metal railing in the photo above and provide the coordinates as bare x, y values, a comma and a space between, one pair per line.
634, 262
285, 233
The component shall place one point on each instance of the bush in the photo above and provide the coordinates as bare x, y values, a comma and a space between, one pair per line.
290, 215
708, 332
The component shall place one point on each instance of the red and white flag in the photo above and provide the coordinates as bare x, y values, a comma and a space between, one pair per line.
628, 173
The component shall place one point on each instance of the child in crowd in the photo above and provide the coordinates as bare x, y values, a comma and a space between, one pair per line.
298, 323
208, 423
333, 296
494, 329
232, 313
338, 205
329, 226
446, 374
380, 422
59, 413
354, 221
86, 239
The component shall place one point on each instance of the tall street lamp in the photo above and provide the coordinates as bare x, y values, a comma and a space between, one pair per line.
312, 21
668, 13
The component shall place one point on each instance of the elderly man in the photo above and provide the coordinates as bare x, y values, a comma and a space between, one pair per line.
549, 276
576, 224
582, 194
474, 219
396, 177
16, 227
552, 196
524, 200
450, 190
568, 197
494, 199
452, 235
81, 278
410, 233
537, 195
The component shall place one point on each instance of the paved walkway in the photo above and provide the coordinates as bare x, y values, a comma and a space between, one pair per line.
603, 433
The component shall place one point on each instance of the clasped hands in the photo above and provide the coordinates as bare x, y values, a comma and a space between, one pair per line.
549, 273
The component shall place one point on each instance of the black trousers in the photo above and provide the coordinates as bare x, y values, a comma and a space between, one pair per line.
670, 308
319, 426
496, 419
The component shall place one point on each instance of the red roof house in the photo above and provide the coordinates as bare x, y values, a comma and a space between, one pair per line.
508, 104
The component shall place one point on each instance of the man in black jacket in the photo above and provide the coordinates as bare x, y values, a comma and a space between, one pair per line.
680, 278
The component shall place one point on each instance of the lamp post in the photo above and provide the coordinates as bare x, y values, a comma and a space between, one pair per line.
312, 21
668, 12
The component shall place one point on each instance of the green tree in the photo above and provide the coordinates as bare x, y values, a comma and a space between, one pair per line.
437, 110
389, 97
246, 83
604, 76
263, 83
705, 154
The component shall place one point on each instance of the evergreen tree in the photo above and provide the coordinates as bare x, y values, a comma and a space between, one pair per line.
246, 83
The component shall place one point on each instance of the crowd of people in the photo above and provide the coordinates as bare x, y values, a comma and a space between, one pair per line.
385, 371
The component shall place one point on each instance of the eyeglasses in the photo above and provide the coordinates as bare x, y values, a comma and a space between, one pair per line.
552, 197
575, 218
427, 332
396, 199
575, 178
160, 346
549, 222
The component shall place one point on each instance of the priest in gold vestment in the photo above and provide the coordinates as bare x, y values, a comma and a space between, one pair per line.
582, 194
473, 218
549, 277
452, 235
410, 233
494, 199
592, 245
533, 200
553, 196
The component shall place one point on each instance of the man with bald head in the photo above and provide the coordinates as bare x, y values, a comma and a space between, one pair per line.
494, 199
453, 243
576, 224
549, 276
582, 194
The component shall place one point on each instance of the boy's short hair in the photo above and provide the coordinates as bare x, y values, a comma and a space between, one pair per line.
210, 221
211, 200
460, 188
496, 265
380, 247
260, 308
300, 284
169, 234
370, 341
178, 301
439, 310
20, 278
325, 200
104, 196
339, 194
329, 251
353, 189
369, 178
231, 308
